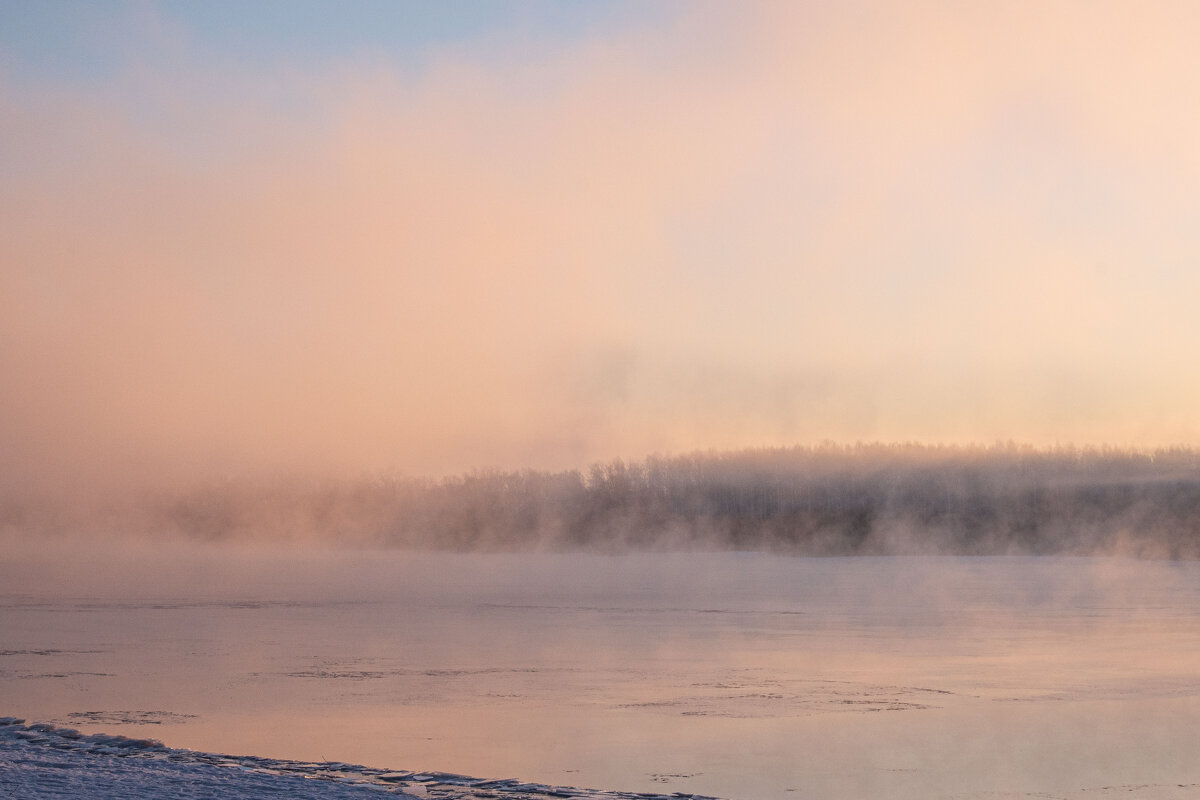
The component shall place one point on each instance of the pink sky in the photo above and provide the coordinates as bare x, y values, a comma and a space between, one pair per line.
727, 225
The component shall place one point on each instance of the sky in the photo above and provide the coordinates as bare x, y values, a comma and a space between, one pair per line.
427, 237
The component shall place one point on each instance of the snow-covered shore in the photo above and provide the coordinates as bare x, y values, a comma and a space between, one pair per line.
40, 760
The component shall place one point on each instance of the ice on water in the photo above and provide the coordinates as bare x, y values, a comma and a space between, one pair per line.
736, 675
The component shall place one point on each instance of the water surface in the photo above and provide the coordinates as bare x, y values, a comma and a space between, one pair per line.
740, 675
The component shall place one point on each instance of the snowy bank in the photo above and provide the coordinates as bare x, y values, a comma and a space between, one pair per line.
44, 761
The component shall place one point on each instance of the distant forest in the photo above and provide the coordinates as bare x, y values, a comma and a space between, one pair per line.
826, 500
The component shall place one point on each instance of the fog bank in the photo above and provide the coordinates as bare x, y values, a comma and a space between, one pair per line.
829, 500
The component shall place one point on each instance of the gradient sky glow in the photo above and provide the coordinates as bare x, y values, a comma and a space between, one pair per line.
428, 236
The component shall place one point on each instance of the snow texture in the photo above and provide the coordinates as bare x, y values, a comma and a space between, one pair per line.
44, 761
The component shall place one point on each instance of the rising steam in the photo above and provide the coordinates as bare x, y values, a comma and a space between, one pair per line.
828, 500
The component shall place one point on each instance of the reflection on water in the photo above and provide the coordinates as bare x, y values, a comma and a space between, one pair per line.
741, 675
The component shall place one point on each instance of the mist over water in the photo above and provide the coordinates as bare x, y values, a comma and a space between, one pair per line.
864, 499
734, 674
415, 383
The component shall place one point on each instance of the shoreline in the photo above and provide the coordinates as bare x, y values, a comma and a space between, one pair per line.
42, 760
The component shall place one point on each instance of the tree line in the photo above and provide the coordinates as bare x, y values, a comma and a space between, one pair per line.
824, 500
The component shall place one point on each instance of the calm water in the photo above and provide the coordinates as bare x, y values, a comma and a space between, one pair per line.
740, 675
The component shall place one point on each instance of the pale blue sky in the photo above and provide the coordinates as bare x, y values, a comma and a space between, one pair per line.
89, 41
